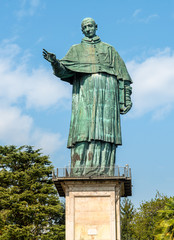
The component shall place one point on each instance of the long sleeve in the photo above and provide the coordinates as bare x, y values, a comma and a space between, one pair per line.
127, 98
128, 92
59, 70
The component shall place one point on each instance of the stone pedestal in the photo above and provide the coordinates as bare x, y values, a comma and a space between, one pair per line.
93, 207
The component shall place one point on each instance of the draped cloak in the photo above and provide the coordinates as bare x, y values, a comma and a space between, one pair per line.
98, 75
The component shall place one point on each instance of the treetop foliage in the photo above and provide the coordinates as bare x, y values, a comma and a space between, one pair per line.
153, 220
29, 204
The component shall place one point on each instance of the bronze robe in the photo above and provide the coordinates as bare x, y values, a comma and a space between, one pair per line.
98, 75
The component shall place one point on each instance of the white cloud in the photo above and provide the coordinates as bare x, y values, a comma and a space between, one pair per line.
153, 87
149, 18
38, 89
45, 90
136, 12
137, 16
28, 7
162, 112
15, 127
49, 142
146, 19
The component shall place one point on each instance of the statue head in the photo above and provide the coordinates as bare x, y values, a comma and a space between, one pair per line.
89, 27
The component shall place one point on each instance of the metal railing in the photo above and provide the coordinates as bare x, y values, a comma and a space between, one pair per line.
83, 172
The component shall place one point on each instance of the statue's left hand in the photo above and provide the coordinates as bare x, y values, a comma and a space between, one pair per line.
126, 109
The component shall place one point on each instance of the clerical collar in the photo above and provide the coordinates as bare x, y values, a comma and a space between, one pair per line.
93, 40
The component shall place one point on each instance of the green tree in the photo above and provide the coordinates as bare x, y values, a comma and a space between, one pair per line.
127, 215
165, 226
146, 217
29, 205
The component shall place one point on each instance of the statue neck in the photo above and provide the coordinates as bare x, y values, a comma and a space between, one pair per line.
93, 40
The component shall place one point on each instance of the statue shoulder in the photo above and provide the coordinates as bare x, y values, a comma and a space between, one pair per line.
75, 46
109, 46
72, 53
73, 49
106, 44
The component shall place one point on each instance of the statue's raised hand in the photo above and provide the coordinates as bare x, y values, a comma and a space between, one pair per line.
50, 57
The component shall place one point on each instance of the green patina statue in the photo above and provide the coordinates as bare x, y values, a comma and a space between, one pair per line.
101, 91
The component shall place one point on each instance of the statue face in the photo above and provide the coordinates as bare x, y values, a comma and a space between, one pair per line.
89, 29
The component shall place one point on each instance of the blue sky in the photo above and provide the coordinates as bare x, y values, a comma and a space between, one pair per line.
35, 106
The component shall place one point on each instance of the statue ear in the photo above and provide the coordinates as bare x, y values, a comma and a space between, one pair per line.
96, 26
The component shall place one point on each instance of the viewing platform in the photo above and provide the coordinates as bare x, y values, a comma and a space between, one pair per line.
121, 175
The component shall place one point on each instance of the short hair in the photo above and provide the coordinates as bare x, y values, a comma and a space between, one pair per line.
88, 19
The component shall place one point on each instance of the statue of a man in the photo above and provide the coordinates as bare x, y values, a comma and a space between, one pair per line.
101, 91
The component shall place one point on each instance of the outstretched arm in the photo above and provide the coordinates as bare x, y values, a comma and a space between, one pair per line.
59, 69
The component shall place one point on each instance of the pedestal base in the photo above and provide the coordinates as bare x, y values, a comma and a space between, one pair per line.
91, 210
93, 205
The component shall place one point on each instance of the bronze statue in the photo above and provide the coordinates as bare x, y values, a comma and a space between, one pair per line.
101, 91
